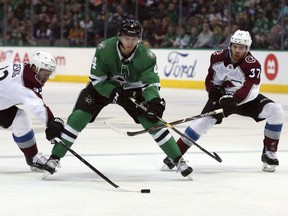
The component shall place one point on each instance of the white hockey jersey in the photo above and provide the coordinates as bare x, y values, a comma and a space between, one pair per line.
239, 79
19, 86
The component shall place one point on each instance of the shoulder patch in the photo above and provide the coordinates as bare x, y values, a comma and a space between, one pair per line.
150, 54
102, 45
250, 59
218, 52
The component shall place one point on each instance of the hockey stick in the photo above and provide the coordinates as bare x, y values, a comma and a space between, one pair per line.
214, 155
95, 170
135, 133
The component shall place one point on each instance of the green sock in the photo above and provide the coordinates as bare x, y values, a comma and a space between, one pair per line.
78, 121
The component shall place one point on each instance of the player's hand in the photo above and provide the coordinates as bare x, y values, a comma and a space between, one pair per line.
54, 128
155, 108
121, 96
229, 104
216, 92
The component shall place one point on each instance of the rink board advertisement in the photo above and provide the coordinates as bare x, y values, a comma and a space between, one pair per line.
179, 68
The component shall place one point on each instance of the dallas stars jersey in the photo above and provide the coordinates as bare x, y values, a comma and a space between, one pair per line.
18, 86
110, 69
239, 79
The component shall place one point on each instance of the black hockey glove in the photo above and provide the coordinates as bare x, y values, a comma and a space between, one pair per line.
216, 92
155, 108
121, 96
228, 103
54, 128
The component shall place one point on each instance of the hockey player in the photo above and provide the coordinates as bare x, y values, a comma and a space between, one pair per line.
21, 84
233, 83
121, 68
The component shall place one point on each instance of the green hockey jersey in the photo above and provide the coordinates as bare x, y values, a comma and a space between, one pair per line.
110, 69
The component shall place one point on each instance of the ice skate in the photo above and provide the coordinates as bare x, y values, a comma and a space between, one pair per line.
184, 169
270, 161
168, 164
37, 163
50, 166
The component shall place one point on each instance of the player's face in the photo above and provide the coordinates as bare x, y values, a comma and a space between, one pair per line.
238, 52
43, 75
128, 42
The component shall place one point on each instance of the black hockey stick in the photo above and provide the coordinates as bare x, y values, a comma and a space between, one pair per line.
214, 155
95, 170
135, 133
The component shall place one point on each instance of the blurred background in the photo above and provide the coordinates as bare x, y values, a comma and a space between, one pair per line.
167, 23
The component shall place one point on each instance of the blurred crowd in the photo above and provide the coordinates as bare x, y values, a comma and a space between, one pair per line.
196, 24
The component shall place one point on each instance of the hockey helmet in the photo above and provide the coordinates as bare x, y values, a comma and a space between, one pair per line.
130, 27
241, 37
44, 60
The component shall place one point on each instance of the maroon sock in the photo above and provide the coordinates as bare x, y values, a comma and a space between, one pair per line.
270, 144
182, 146
30, 152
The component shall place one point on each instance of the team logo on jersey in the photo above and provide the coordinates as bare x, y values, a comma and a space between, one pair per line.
89, 100
101, 45
250, 59
150, 54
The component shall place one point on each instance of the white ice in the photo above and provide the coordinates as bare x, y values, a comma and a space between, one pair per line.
235, 187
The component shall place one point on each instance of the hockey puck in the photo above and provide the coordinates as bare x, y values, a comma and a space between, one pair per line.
145, 190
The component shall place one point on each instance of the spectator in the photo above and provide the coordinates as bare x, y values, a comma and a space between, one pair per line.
160, 31
260, 41
216, 38
227, 36
44, 32
147, 31
76, 35
261, 23
274, 37
193, 37
55, 27
182, 38
172, 13
115, 19
169, 37
13, 34
205, 37
87, 26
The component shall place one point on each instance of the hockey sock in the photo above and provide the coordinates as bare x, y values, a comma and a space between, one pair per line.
270, 144
29, 153
76, 122
171, 149
182, 146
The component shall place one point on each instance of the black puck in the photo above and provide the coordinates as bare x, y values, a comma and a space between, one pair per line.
145, 190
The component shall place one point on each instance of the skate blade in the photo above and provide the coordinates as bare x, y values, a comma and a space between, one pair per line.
165, 168
46, 174
189, 177
268, 168
35, 169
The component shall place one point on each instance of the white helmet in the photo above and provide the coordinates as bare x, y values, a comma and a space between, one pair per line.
44, 60
241, 37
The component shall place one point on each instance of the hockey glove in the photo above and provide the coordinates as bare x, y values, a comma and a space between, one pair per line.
54, 128
229, 104
155, 108
121, 96
216, 92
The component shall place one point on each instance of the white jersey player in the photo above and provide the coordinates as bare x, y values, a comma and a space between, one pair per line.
233, 83
21, 84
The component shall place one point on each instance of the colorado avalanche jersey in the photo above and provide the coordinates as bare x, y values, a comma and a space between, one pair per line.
19, 86
239, 79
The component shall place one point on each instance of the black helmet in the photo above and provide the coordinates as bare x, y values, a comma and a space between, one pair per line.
130, 27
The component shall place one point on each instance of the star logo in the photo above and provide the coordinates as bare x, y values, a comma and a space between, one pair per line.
89, 100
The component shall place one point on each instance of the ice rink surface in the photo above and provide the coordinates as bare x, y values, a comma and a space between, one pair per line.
235, 187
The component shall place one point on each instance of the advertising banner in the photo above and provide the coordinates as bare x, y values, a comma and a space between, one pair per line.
179, 68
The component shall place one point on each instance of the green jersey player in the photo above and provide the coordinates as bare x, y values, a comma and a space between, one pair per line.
121, 68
